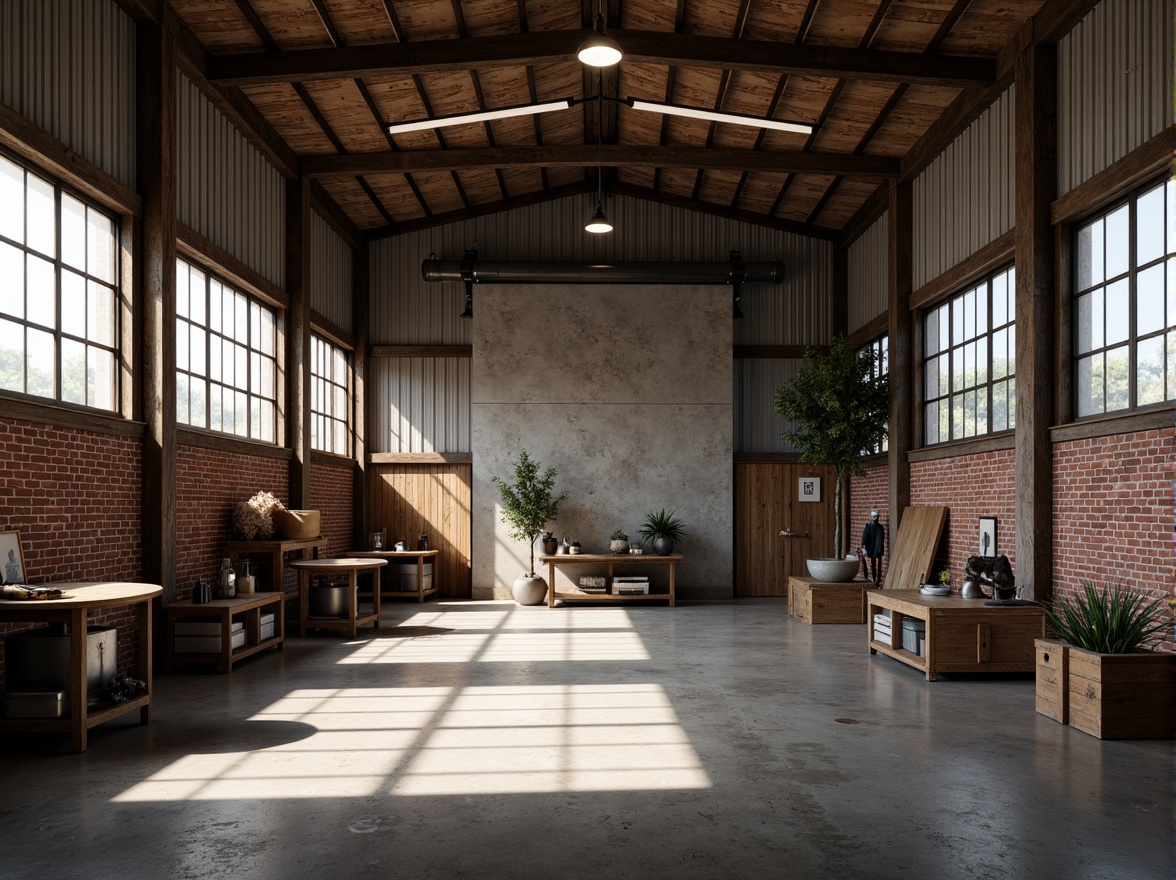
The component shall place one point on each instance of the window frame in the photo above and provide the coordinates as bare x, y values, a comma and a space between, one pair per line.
947, 353
319, 384
880, 346
1131, 276
253, 306
87, 339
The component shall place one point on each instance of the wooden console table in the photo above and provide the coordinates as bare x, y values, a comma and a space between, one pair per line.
420, 556
276, 550
816, 601
224, 610
350, 567
75, 612
962, 635
611, 560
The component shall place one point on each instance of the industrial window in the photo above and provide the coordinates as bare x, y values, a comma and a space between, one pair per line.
969, 362
1124, 311
329, 394
58, 277
226, 357
880, 349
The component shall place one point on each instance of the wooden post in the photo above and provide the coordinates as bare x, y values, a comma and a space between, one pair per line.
360, 299
903, 400
156, 145
298, 338
1036, 177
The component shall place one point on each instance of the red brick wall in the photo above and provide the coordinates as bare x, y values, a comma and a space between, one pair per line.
74, 496
209, 484
1112, 512
970, 486
866, 493
331, 494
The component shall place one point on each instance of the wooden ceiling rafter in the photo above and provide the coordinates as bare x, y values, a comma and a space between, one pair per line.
671, 76
532, 90
464, 33
649, 47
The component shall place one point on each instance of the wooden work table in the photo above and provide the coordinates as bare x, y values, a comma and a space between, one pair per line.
75, 611
962, 635
276, 550
247, 605
611, 560
420, 556
351, 568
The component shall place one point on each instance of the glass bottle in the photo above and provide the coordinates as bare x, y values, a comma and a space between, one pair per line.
228, 581
247, 583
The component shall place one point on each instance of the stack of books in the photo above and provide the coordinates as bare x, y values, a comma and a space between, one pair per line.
630, 586
593, 584
882, 628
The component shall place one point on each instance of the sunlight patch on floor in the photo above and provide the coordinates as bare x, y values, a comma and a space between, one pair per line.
504, 646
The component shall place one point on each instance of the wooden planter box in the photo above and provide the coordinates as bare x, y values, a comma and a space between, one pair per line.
1121, 696
818, 602
1053, 687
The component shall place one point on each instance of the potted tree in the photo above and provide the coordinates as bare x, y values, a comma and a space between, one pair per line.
529, 503
1100, 674
663, 529
837, 408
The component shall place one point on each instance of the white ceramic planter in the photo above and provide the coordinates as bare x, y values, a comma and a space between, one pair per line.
833, 571
528, 590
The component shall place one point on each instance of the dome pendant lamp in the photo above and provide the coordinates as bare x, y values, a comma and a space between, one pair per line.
599, 50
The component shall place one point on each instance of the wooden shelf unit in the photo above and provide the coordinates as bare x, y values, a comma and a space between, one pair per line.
276, 550
962, 635
610, 560
421, 592
249, 605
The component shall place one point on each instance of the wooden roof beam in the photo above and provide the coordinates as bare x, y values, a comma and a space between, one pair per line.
687, 50
590, 155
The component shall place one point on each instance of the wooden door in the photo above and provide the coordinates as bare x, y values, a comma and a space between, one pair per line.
775, 531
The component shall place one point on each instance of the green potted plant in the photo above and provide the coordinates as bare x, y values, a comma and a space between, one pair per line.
1100, 675
837, 410
549, 544
529, 503
663, 529
619, 542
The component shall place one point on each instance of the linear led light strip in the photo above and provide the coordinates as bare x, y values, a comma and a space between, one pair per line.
564, 103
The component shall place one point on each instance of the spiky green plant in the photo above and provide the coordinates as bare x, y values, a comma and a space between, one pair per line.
662, 525
1107, 620
529, 502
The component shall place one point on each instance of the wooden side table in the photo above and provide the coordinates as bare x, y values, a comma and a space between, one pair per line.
251, 605
420, 556
276, 550
610, 560
351, 567
75, 611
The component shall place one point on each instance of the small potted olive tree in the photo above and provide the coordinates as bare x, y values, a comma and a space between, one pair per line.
529, 503
837, 408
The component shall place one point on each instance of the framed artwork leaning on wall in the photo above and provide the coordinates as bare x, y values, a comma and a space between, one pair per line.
12, 570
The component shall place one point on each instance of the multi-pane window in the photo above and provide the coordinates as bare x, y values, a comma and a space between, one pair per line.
58, 276
226, 357
880, 349
969, 363
1124, 312
328, 397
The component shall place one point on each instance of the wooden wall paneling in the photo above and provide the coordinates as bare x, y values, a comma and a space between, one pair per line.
408, 499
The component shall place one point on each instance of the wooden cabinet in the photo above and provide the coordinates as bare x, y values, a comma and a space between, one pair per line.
816, 602
250, 606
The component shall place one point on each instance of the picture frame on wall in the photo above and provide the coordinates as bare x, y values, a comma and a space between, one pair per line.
988, 536
809, 489
12, 568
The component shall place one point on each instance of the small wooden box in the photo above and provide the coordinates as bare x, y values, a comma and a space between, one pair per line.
817, 602
1053, 693
1123, 696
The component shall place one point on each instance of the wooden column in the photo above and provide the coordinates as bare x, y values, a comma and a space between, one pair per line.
1036, 160
360, 299
903, 400
298, 338
156, 145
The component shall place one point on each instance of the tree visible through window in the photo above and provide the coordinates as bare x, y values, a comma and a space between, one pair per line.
58, 278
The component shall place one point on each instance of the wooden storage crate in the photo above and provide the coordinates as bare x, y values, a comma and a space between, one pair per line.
817, 602
1053, 694
1123, 696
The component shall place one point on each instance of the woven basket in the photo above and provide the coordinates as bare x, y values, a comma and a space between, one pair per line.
297, 525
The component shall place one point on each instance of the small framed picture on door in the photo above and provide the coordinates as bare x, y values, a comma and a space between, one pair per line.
810, 489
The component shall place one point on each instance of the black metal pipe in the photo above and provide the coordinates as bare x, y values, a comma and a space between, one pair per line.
544, 272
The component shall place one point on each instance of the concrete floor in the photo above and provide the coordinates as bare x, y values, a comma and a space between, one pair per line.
471, 740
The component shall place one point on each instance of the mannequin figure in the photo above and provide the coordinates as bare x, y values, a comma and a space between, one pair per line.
873, 547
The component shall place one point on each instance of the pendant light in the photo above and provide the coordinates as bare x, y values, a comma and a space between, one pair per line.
599, 50
598, 224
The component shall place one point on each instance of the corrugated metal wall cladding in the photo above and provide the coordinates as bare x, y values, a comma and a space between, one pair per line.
226, 190
420, 404
965, 198
869, 274
69, 66
330, 274
408, 311
1114, 85
757, 427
